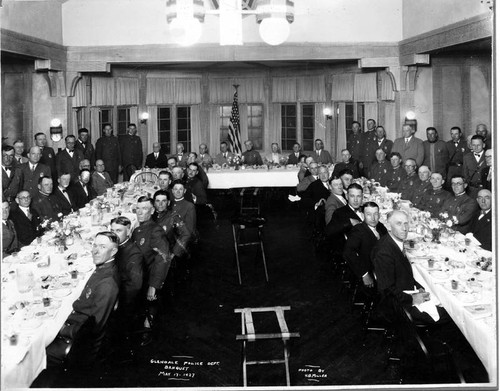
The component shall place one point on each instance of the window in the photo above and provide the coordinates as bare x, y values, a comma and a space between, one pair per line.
164, 128
255, 126
288, 126
105, 117
354, 112
184, 126
123, 120
291, 132
308, 119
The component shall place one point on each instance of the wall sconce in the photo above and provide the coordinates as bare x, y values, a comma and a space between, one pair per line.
410, 119
56, 130
184, 18
274, 17
328, 113
144, 118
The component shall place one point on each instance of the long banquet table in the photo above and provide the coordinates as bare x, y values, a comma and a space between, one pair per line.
25, 315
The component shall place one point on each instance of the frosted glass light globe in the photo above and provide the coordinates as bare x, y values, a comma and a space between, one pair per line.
274, 31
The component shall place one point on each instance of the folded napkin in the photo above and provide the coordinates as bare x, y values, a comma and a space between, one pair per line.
14, 354
427, 306
293, 198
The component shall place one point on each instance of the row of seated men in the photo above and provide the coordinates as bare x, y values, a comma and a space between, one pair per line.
456, 156
356, 235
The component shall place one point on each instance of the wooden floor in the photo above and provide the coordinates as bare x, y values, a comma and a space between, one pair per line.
197, 345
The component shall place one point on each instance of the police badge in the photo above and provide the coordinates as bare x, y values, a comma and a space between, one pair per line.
88, 293
143, 240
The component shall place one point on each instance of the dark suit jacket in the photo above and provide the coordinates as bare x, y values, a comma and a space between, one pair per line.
292, 159
481, 229
220, 159
10, 243
99, 184
130, 262
11, 185
27, 230
49, 159
66, 206
88, 152
441, 156
30, 179
394, 275
161, 162
314, 192
386, 146
79, 196
472, 169
47, 207
414, 149
340, 225
66, 163
486, 184
456, 157
323, 158
332, 204
352, 165
358, 247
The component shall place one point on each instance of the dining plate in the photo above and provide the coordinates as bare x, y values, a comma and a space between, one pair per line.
59, 293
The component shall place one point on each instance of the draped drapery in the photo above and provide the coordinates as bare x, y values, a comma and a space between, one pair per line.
386, 91
301, 89
275, 123
311, 89
341, 130
320, 123
187, 91
371, 112
343, 87
195, 128
95, 132
103, 91
215, 125
250, 90
365, 87
80, 98
127, 91
160, 91
153, 125
183, 91
284, 89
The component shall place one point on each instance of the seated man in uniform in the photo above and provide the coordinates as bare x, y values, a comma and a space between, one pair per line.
347, 162
46, 206
423, 183
79, 340
434, 198
392, 178
409, 182
381, 167
460, 205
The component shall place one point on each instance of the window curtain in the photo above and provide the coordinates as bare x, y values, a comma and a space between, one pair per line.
371, 111
311, 89
153, 125
195, 128
103, 91
275, 123
74, 122
80, 98
343, 87
187, 91
284, 89
390, 120
365, 87
215, 125
127, 91
134, 115
95, 132
320, 124
341, 130
160, 91
386, 91
250, 90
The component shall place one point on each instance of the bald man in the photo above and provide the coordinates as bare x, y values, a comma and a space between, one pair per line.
481, 221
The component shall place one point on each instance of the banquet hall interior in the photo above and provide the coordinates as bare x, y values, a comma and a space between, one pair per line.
298, 71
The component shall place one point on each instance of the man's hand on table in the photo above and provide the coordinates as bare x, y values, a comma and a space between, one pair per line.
420, 297
368, 280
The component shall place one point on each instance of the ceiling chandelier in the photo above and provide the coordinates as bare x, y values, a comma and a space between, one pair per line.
185, 18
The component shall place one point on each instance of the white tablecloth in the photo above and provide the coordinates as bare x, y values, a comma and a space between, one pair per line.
480, 333
229, 179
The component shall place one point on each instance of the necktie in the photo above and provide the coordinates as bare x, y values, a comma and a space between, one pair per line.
20, 159
477, 154
481, 215
28, 214
83, 145
225, 155
7, 170
319, 152
406, 142
375, 232
32, 168
156, 155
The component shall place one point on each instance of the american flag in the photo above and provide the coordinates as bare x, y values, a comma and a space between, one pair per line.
234, 126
